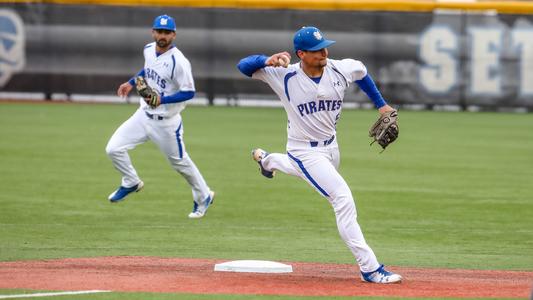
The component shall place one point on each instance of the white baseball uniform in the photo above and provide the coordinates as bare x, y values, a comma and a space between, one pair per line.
167, 73
313, 110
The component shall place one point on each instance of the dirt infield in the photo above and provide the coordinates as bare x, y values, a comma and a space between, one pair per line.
196, 276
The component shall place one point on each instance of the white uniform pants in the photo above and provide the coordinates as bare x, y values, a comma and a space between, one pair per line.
318, 166
167, 134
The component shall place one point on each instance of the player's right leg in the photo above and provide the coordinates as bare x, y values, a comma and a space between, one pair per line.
317, 168
168, 136
269, 163
130, 134
203, 196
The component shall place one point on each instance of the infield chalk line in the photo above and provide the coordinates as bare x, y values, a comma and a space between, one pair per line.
51, 294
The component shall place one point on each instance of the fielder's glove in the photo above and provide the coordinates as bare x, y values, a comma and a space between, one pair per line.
385, 130
144, 90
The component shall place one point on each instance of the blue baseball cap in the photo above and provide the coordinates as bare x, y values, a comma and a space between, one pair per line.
164, 22
310, 39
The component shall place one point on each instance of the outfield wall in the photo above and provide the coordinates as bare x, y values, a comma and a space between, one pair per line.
430, 55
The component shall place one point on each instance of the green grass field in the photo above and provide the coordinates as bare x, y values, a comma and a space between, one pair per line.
453, 192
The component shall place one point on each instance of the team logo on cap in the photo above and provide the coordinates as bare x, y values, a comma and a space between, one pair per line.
164, 21
317, 35
12, 45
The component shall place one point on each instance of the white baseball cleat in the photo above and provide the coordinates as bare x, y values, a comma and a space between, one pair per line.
258, 155
381, 276
199, 210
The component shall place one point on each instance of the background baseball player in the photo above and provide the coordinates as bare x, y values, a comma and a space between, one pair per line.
312, 93
166, 82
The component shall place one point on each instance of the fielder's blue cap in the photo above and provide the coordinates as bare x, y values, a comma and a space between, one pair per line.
310, 39
164, 22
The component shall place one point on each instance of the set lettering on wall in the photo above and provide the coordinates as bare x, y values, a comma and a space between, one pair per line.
441, 70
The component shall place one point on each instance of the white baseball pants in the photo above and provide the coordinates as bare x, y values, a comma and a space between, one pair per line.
167, 134
318, 166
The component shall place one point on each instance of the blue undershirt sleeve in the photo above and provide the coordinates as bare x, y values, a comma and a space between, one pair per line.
371, 90
252, 63
132, 80
177, 97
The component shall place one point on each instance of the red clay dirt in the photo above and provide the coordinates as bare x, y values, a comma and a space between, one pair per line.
196, 276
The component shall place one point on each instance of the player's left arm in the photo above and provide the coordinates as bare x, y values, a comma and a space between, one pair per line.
357, 72
183, 76
177, 97
368, 86
385, 130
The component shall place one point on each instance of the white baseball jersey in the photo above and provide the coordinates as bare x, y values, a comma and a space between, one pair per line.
312, 109
168, 74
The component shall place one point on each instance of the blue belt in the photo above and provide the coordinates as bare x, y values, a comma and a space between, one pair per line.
154, 117
324, 143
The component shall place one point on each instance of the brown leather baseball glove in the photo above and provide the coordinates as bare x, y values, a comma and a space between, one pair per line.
144, 90
385, 130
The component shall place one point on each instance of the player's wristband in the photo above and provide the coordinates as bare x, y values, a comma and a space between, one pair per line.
371, 90
132, 80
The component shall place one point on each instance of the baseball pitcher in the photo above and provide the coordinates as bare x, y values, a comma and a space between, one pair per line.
312, 93
164, 84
